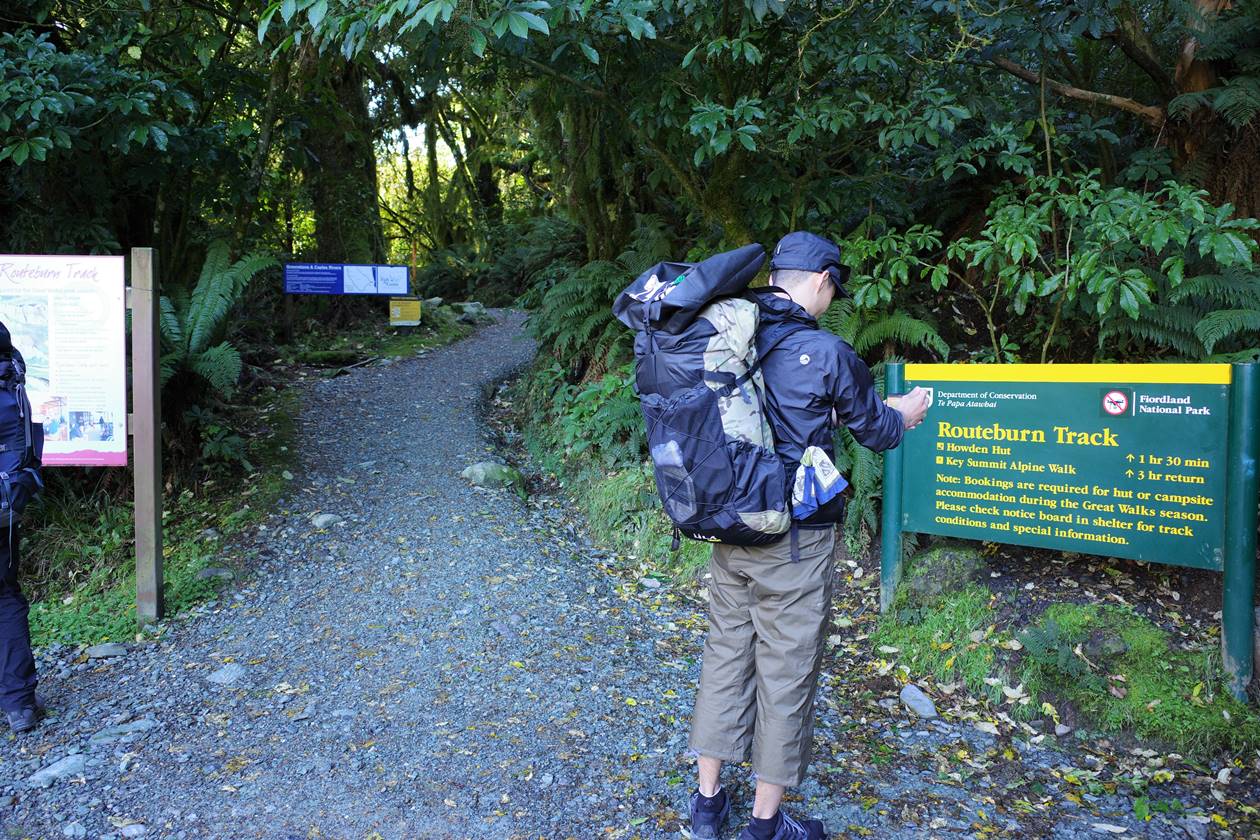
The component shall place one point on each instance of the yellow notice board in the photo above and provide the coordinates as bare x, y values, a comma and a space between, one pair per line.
404, 312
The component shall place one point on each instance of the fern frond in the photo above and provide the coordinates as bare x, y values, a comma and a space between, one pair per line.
219, 365
1226, 323
168, 367
649, 244
901, 328
840, 319
169, 325
1169, 326
1238, 100
1235, 288
219, 287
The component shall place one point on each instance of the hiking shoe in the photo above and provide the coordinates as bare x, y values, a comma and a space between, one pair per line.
26, 718
790, 829
707, 822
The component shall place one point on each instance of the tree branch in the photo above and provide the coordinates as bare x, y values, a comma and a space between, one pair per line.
1136, 44
1152, 115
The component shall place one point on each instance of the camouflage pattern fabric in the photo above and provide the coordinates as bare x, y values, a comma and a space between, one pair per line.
733, 350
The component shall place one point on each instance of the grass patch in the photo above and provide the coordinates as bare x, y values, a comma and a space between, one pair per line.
938, 640
1166, 694
625, 514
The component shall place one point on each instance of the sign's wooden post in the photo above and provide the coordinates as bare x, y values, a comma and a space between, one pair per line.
146, 433
890, 538
1237, 612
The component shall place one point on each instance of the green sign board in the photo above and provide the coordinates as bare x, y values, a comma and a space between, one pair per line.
1095, 459
1147, 462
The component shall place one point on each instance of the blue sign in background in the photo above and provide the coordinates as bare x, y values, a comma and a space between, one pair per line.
345, 279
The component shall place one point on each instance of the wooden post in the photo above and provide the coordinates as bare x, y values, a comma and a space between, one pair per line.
146, 433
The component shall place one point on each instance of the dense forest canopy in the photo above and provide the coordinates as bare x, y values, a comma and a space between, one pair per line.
1068, 180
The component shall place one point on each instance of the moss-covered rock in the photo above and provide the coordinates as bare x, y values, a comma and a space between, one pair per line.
940, 570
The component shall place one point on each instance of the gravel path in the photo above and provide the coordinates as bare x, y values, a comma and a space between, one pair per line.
451, 662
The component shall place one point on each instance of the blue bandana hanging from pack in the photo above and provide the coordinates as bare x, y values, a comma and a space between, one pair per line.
817, 482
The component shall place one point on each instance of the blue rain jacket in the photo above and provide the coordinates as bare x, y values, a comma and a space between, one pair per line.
808, 373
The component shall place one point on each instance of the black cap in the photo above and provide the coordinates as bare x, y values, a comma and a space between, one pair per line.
804, 251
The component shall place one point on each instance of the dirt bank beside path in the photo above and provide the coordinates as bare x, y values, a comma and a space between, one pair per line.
439, 661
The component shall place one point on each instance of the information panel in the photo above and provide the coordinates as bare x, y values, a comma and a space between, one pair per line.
345, 279
67, 318
1117, 460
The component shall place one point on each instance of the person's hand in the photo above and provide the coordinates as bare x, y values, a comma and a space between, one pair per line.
913, 407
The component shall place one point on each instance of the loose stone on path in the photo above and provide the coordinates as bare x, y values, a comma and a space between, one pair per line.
228, 674
71, 765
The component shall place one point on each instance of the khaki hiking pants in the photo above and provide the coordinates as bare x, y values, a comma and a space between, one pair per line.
768, 617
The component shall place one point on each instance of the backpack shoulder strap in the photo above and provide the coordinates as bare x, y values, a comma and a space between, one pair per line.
779, 337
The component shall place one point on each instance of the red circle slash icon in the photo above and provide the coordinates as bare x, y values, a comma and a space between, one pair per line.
1115, 402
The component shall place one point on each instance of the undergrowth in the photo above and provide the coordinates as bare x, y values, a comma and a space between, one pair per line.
938, 641
438, 327
1153, 688
590, 436
1109, 668
87, 593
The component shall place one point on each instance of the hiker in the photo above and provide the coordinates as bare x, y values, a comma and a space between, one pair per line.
21, 445
769, 605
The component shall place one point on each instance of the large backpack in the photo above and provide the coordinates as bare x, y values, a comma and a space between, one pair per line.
703, 398
21, 439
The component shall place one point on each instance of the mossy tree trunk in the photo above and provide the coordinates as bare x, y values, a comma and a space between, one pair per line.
340, 167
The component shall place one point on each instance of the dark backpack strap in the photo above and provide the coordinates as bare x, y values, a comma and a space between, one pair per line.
786, 331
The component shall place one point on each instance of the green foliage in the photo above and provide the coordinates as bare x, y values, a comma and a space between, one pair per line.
938, 642
1205, 317
591, 437
596, 423
52, 101
78, 554
1169, 693
1049, 648
573, 320
190, 323
868, 331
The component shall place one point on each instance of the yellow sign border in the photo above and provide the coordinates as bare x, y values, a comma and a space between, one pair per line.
1173, 374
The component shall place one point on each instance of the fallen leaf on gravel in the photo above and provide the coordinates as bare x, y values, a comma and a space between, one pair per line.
1108, 828
985, 726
